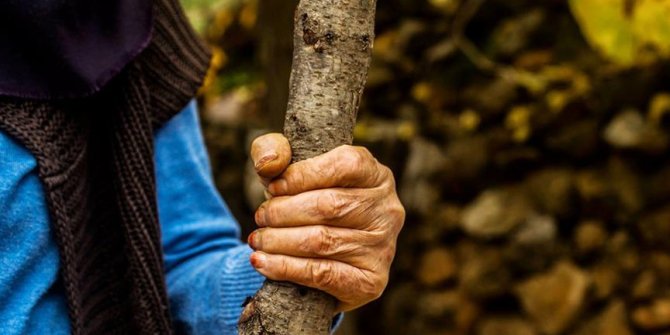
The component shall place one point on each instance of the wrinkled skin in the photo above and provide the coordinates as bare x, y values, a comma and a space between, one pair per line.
330, 222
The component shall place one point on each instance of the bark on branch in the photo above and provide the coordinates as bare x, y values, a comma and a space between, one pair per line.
332, 51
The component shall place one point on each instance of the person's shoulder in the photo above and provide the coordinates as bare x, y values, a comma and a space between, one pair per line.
14, 155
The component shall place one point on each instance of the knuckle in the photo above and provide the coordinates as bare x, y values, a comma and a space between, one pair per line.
387, 175
294, 178
372, 287
282, 269
382, 282
388, 255
326, 243
364, 153
363, 157
397, 211
322, 274
272, 213
332, 205
298, 180
354, 158
381, 258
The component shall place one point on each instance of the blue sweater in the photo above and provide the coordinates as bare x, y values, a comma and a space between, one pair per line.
208, 272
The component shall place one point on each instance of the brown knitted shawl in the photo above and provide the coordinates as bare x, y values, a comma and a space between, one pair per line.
95, 160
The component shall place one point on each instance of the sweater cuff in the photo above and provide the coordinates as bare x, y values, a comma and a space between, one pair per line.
239, 280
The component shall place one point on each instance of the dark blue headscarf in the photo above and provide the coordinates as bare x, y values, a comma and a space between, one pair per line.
68, 48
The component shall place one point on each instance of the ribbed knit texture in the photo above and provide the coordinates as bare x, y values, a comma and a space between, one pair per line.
95, 159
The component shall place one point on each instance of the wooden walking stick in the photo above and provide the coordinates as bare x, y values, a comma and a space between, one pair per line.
332, 51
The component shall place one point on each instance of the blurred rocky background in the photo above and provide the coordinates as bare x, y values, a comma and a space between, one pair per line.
530, 144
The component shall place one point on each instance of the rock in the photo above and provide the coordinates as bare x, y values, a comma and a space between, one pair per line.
629, 130
552, 190
466, 316
483, 273
654, 228
660, 263
450, 216
505, 325
437, 266
423, 164
591, 185
516, 159
466, 157
611, 193
625, 186
495, 213
533, 245
445, 221
658, 187
612, 321
577, 140
645, 285
623, 251
654, 316
493, 98
605, 278
554, 299
397, 304
626, 130
589, 237
440, 304
450, 308
537, 230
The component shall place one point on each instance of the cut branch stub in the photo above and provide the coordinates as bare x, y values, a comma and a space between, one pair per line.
331, 57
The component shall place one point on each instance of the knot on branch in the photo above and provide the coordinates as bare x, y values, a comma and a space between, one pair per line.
312, 36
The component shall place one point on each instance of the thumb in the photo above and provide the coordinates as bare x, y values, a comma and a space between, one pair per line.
271, 154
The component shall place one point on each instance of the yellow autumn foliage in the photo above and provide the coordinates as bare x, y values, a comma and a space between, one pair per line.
623, 32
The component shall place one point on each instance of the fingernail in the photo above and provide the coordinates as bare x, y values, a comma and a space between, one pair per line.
250, 240
260, 217
255, 240
258, 260
265, 159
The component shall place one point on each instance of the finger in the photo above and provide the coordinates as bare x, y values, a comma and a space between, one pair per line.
345, 166
340, 244
271, 154
350, 208
353, 287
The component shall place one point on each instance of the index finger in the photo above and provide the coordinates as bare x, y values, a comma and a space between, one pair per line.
342, 167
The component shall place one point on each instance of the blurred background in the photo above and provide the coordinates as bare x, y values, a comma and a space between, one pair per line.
530, 144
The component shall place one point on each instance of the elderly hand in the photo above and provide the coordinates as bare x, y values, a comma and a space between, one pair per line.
331, 222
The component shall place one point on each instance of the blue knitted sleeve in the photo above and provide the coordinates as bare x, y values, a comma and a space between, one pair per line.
208, 272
